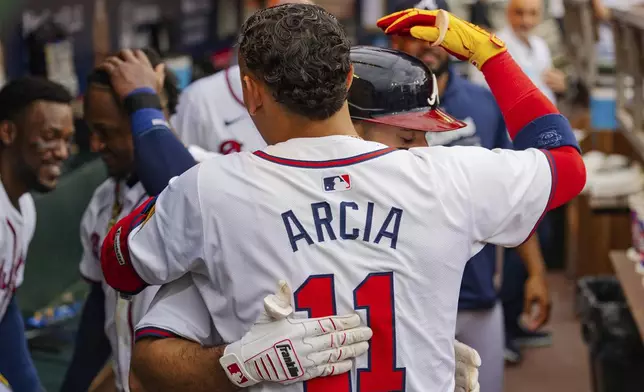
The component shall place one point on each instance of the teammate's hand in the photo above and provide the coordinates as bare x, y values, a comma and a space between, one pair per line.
131, 70
281, 349
537, 303
462, 39
468, 362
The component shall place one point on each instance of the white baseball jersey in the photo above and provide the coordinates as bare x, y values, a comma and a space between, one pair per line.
16, 230
211, 115
352, 226
100, 214
120, 315
179, 311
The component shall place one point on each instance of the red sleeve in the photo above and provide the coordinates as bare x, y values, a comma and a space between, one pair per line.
116, 263
568, 175
521, 102
519, 99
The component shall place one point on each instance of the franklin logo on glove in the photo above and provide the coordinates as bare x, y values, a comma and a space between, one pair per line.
286, 351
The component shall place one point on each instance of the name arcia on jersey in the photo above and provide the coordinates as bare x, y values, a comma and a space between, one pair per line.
331, 224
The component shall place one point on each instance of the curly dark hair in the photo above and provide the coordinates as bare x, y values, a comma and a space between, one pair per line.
301, 53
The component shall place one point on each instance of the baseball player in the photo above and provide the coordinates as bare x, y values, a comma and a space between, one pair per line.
187, 299
116, 197
211, 112
36, 126
479, 321
186, 303
393, 246
119, 195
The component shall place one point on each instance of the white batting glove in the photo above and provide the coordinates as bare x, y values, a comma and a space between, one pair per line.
468, 362
284, 350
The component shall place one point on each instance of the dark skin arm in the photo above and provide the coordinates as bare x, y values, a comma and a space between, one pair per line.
536, 287
176, 364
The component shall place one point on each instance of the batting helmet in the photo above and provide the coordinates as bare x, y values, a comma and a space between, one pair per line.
391, 87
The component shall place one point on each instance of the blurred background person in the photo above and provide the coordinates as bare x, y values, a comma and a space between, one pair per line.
529, 50
211, 112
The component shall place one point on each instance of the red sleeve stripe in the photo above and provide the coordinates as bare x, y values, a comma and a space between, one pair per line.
325, 164
154, 332
555, 178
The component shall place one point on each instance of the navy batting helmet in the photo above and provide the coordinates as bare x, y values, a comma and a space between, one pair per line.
391, 87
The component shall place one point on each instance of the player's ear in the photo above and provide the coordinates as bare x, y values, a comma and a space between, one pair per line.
396, 42
252, 94
350, 77
7, 133
159, 70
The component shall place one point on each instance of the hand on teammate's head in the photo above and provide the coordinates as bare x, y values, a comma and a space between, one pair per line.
131, 70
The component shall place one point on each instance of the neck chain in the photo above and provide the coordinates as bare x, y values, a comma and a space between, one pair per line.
117, 206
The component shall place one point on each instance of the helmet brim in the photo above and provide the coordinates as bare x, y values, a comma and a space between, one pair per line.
430, 120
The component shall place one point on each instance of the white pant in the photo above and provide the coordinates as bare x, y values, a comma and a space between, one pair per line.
483, 331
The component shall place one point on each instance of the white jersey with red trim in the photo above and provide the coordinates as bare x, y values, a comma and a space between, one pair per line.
211, 115
112, 201
352, 226
16, 232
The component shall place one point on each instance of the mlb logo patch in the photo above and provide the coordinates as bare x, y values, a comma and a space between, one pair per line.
337, 183
236, 373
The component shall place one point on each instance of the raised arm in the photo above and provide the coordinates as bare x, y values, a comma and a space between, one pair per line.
532, 120
158, 154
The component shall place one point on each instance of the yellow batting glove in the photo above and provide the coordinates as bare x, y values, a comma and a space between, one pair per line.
461, 39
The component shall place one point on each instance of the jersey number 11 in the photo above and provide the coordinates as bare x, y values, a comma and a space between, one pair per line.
376, 295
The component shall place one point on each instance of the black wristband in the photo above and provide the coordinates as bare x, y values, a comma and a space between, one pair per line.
134, 102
